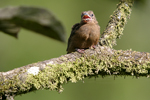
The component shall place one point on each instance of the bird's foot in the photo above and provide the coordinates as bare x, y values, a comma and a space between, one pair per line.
80, 50
93, 47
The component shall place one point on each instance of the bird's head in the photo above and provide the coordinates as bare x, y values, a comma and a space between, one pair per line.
88, 17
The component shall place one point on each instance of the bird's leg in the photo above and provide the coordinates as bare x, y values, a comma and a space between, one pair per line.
93, 47
80, 50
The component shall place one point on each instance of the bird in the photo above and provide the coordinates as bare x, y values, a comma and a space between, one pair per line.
84, 35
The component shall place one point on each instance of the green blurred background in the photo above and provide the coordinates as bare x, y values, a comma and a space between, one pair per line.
31, 47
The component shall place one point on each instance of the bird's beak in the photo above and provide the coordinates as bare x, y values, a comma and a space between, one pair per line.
85, 16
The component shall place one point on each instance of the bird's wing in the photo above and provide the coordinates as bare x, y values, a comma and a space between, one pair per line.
74, 28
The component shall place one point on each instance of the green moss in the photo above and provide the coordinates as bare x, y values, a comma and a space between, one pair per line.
116, 24
13, 85
53, 76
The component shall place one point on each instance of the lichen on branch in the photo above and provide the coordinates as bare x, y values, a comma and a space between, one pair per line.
53, 73
116, 24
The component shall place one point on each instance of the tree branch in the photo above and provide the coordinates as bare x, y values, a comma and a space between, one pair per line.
51, 74
117, 22
104, 60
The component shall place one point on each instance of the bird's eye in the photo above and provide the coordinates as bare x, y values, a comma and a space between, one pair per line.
91, 14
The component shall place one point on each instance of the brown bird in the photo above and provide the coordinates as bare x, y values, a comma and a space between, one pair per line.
85, 34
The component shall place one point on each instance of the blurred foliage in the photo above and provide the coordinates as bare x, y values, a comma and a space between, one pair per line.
32, 18
31, 48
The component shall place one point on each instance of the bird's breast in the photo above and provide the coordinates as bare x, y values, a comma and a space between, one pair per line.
87, 35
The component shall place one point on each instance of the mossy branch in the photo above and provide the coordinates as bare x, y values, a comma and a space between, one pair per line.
104, 60
51, 74
117, 22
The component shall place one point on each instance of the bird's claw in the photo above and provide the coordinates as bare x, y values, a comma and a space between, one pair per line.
80, 50
93, 47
